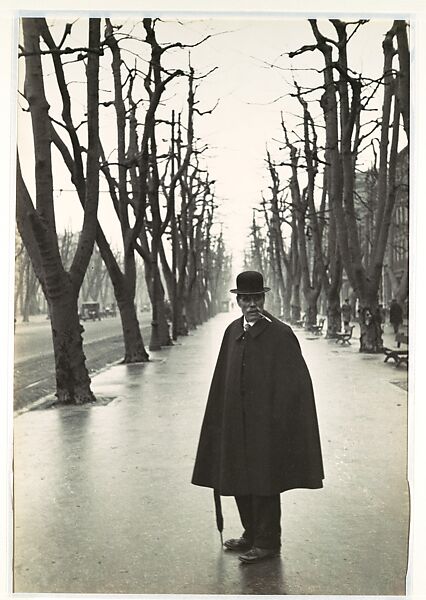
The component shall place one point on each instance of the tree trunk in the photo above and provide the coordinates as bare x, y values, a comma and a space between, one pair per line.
403, 86
287, 316
164, 329
30, 297
182, 323
295, 309
311, 311
37, 226
134, 349
160, 334
333, 276
190, 311
370, 327
75, 166
334, 316
180, 303
296, 313
72, 377
176, 302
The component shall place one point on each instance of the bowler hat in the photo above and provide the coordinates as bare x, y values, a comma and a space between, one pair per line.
250, 282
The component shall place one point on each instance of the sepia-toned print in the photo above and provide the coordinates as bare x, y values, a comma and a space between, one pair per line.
212, 305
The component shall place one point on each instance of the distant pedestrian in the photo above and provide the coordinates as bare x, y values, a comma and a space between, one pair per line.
395, 315
346, 314
260, 433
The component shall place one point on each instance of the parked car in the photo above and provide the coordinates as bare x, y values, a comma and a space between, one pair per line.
90, 311
110, 310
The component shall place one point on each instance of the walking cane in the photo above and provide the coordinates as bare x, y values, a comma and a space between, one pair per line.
219, 514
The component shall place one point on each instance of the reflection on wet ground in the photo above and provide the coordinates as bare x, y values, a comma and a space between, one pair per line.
104, 504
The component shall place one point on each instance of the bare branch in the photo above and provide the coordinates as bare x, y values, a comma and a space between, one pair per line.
207, 112
205, 74
182, 46
58, 51
358, 25
302, 50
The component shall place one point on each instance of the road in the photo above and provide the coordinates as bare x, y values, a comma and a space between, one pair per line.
34, 339
34, 373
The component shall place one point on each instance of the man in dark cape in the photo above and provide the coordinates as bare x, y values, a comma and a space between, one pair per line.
260, 433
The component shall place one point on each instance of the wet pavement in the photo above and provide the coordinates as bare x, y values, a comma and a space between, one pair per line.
104, 504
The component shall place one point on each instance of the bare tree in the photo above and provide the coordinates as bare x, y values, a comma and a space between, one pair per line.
403, 74
278, 213
306, 221
36, 224
342, 104
73, 159
258, 256
192, 210
142, 163
218, 265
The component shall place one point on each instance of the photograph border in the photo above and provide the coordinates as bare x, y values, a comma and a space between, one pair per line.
416, 577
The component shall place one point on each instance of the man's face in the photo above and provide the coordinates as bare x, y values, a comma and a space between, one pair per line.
251, 306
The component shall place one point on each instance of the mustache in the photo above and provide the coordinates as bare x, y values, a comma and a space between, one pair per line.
261, 315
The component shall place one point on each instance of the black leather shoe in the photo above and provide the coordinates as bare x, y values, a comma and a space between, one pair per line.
256, 554
237, 544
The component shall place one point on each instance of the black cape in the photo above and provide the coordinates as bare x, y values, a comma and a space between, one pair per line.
260, 431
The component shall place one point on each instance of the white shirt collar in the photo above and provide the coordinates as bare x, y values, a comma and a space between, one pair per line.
245, 322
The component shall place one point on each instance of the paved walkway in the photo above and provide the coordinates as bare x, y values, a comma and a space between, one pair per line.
104, 504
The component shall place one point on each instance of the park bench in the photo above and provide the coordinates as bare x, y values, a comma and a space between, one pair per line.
317, 329
344, 337
398, 355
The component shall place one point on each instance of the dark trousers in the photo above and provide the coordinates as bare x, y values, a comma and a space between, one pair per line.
261, 519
